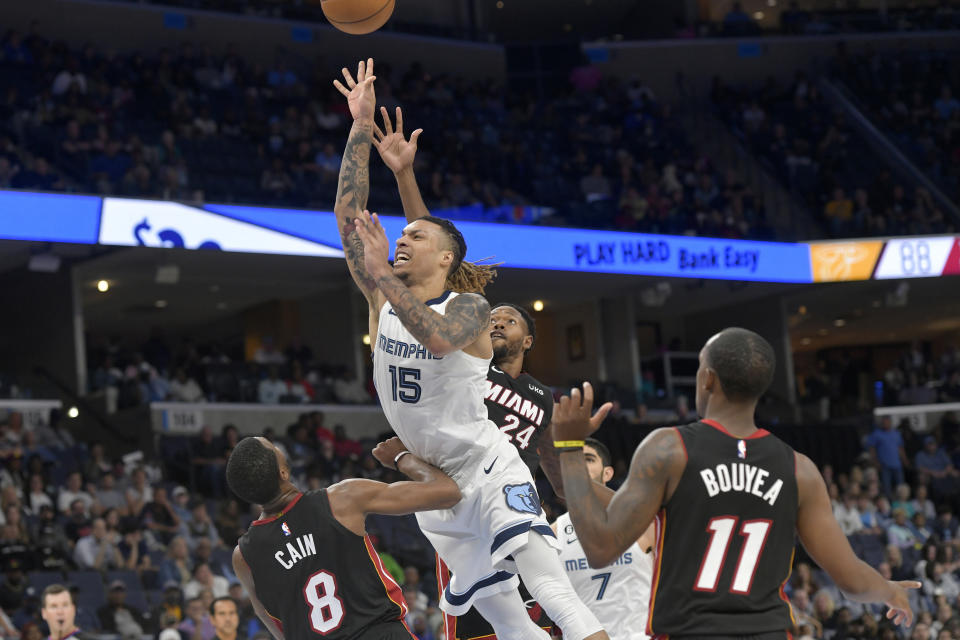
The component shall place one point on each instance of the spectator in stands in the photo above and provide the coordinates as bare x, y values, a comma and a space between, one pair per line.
203, 578
72, 491
939, 582
349, 390
168, 627
946, 105
199, 525
923, 504
271, 388
225, 615
50, 545
96, 550
933, 463
901, 533
297, 384
945, 526
171, 605
181, 502
228, 522
344, 446
839, 212
38, 496
267, 353
118, 617
108, 496
196, 622
176, 566
139, 493
134, 551
38, 175
159, 517
886, 448
78, 523
184, 388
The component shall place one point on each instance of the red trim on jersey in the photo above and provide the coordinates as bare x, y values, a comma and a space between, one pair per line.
783, 593
686, 456
389, 584
443, 579
759, 433
275, 516
661, 523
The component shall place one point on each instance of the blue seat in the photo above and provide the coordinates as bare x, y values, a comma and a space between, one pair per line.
40, 580
91, 595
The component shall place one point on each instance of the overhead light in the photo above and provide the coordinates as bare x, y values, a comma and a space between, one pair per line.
538, 305
160, 304
73, 412
822, 332
366, 339
103, 286
839, 322
499, 4
802, 310
805, 341
44, 262
758, 15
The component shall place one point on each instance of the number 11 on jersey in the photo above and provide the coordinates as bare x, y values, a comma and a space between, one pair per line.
721, 534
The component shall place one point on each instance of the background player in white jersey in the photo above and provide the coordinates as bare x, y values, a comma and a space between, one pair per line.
619, 594
431, 354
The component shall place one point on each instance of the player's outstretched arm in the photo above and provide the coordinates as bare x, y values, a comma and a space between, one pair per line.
829, 548
242, 570
550, 459
463, 320
605, 532
398, 153
353, 187
428, 489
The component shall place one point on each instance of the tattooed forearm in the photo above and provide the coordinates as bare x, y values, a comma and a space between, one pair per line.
353, 187
352, 192
465, 318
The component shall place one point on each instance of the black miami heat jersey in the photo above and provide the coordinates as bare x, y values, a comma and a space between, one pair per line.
725, 539
317, 578
522, 408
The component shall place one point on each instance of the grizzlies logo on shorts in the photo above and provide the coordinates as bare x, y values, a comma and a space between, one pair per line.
522, 498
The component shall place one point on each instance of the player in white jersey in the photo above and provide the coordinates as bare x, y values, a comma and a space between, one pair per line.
618, 594
431, 351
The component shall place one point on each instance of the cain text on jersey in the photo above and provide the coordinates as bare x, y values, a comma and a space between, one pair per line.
294, 553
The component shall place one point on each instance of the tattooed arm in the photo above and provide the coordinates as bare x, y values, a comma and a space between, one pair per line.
353, 187
605, 533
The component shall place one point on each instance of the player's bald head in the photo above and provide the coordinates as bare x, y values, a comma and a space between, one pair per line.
743, 361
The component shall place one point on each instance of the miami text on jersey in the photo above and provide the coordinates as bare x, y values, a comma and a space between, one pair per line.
740, 476
514, 401
305, 547
404, 349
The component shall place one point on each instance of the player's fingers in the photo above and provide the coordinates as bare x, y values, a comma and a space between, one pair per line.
399, 121
587, 396
361, 71
342, 89
601, 414
349, 78
387, 125
369, 66
368, 82
415, 136
377, 133
910, 584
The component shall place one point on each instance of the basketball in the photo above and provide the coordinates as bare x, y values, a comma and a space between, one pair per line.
357, 16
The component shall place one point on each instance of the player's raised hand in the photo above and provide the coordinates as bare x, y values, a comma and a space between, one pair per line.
359, 93
387, 451
396, 151
376, 247
571, 416
900, 611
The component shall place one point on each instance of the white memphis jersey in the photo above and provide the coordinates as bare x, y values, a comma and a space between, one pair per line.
619, 595
435, 405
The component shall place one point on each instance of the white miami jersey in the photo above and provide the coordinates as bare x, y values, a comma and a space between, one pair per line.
619, 595
434, 404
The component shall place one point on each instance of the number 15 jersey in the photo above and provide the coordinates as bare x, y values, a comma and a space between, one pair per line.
725, 539
434, 404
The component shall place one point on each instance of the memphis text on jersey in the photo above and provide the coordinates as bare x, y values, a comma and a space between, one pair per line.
295, 551
743, 477
513, 401
404, 349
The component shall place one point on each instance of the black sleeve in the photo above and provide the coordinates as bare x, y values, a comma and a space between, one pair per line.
105, 615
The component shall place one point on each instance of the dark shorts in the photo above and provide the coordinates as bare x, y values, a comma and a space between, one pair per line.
388, 631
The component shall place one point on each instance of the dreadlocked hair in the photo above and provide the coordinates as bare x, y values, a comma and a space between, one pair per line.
464, 277
471, 277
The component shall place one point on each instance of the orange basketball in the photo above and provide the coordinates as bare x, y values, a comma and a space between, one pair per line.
357, 16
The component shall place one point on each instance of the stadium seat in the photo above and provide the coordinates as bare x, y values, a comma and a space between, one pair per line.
92, 594
40, 580
135, 594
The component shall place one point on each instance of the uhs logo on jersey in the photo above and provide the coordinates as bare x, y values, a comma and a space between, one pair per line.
522, 498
